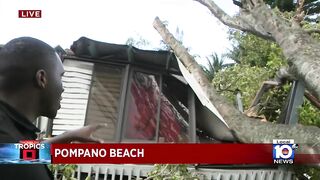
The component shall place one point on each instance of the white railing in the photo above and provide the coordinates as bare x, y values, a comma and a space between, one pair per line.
130, 171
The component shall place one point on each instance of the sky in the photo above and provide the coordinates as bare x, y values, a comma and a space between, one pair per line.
114, 21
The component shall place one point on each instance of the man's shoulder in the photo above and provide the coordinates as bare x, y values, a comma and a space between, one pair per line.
6, 128
25, 171
5, 135
4, 117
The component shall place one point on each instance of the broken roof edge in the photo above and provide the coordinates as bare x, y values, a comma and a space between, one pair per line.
92, 49
199, 92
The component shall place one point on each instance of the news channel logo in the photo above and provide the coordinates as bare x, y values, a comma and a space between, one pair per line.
25, 152
283, 151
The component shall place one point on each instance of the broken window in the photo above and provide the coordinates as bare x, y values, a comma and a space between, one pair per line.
142, 107
174, 115
154, 107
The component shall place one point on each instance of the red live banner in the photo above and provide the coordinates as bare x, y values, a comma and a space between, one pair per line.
170, 154
29, 13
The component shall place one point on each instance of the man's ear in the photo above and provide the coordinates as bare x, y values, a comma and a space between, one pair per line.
41, 79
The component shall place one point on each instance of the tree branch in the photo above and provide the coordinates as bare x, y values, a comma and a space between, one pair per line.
260, 132
299, 14
235, 22
299, 48
310, 31
314, 101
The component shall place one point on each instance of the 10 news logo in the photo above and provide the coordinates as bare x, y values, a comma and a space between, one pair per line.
283, 151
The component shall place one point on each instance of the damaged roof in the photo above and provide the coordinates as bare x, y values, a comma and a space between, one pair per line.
159, 60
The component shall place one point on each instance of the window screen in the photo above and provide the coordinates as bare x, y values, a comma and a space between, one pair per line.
104, 99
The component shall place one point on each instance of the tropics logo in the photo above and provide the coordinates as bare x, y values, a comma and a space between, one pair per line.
29, 149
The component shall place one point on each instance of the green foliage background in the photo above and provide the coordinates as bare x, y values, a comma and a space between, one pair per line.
258, 60
172, 172
65, 171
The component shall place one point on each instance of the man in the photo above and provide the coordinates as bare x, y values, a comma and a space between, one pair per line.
31, 86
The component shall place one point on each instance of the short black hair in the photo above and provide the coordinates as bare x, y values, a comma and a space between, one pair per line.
20, 58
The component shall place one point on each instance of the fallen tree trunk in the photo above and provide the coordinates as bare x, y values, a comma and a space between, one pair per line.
246, 129
300, 49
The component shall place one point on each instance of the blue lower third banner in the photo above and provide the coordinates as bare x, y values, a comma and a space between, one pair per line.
25, 152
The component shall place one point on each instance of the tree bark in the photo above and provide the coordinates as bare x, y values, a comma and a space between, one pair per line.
300, 49
246, 129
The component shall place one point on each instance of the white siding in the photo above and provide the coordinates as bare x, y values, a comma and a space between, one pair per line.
76, 82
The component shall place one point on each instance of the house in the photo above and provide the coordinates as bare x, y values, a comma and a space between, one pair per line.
143, 96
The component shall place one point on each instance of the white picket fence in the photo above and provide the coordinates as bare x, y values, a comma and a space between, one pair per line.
130, 172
